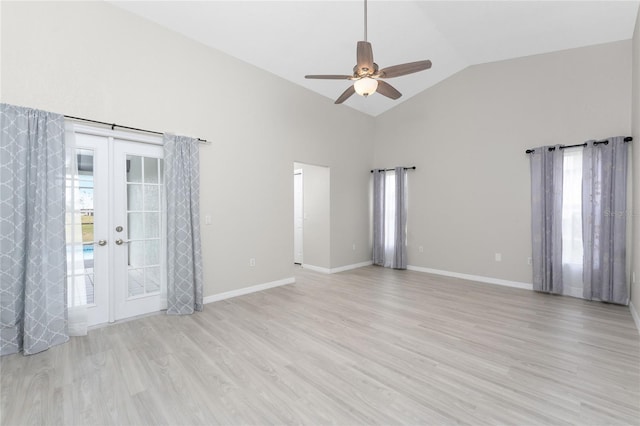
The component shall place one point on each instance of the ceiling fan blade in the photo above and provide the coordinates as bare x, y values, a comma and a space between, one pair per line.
365, 56
346, 94
387, 90
404, 69
329, 77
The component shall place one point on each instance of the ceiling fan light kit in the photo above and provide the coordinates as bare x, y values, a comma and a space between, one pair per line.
366, 75
365, 86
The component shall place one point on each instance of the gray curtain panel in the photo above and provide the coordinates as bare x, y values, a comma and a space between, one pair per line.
379, 177
604, 221
399, 260
33, 264
546, 219
184, 256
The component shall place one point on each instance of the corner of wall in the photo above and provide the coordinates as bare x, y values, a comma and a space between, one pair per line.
634, 314
635, 132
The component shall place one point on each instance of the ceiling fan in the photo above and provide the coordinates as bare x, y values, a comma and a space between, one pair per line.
367, 77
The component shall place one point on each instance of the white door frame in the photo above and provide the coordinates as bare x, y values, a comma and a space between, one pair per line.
298, 217
113, 137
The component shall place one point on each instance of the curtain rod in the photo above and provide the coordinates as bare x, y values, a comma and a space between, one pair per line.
553, 148
114, 125
390, 170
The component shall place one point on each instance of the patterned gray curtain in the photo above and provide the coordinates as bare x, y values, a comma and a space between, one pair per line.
379, 177
604, 221
546, 218
184, 256
33, 263
399, 260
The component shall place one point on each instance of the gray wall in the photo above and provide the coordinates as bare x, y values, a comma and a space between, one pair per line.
470, 196
635, 131
93, 60
316, 182
345, 146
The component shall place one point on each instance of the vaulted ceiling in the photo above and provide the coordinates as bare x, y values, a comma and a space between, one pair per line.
294, 38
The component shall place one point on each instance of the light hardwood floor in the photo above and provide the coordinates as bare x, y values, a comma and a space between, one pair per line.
369, 346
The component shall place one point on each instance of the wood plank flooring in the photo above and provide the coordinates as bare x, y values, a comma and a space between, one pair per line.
368, 346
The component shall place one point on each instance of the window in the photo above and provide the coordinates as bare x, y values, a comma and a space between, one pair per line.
389, 217
572, 222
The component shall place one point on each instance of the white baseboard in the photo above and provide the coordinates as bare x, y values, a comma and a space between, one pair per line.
316, 268
634, 314
350, 267
338, 269
479, 278
247, 290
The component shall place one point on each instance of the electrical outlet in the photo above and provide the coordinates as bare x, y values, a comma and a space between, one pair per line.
252, 261
354, 246
498, 257
207, 219
529, 261
421, 249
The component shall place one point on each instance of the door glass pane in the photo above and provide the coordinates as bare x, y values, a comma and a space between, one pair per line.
152, 252
136, 282
144, 208
152, 277
151, 170
89, 287
134, 226
134, 197
80, 290
134, 168
79, 218
136, 254
151, 225
151, 197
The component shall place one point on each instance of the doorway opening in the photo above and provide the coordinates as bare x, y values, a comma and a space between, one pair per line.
298, 216
312, 213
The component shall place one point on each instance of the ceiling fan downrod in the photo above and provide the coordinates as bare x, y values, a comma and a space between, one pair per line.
365, 20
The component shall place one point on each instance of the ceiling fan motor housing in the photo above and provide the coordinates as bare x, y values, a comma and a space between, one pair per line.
365, 71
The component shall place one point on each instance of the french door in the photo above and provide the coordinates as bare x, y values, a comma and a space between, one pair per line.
116, 264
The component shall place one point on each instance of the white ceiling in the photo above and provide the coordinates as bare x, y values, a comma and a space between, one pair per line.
294, 38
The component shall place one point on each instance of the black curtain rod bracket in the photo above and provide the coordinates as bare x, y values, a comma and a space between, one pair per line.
114, 125
390, 170
605, 141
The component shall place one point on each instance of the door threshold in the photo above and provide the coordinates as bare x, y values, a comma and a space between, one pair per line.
123, 320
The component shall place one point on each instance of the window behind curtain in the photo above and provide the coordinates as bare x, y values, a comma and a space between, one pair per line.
389, 217
572, 222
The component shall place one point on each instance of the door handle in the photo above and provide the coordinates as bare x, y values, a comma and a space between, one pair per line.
120, 241
102, 242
